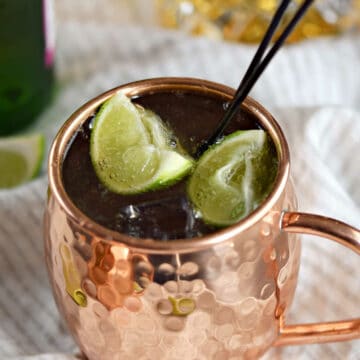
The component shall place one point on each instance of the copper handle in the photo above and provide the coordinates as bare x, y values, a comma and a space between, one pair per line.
343, 234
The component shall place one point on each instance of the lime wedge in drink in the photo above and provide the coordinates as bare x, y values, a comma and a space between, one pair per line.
233, 177
132, 150
20, 159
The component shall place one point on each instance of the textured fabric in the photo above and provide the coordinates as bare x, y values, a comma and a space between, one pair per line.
313, 91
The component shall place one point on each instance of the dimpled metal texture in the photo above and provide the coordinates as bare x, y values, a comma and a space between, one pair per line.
223, 302
220, 296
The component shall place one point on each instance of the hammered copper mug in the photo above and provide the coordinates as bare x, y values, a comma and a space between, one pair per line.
221, 296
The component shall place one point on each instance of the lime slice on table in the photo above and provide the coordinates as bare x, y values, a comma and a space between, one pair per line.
132, 150
233, 177
20, 159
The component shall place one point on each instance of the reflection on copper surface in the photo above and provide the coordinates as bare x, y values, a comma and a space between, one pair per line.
118, 275
72, 276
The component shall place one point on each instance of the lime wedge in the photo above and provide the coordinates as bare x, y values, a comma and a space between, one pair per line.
20, 159
132, 150
233, 177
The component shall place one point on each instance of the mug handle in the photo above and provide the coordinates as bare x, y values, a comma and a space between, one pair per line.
295, 222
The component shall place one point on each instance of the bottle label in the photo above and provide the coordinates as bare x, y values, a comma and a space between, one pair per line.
49, 32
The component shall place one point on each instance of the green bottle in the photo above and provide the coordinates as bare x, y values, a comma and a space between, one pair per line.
26, 61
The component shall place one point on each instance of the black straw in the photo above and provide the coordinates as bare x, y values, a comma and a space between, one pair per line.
257, 67
265, 42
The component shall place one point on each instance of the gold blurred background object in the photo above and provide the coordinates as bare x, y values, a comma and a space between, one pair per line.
247, 20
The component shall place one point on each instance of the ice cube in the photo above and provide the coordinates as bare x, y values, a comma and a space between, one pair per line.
164, 219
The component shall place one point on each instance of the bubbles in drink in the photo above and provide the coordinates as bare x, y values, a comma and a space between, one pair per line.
219, 140
103, 191
226, 105
173, 143
91, 122
132, 212
83, 133
190, 228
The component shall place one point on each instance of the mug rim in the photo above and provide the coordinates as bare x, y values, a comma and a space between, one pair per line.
64, 136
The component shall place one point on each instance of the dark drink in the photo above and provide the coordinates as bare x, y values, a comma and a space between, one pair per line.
162, 214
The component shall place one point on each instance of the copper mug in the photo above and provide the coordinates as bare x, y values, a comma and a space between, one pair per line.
226, 295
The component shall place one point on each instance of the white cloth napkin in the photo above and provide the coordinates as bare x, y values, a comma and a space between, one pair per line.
313, 90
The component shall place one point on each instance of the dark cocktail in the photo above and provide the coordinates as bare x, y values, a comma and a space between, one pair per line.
166, 213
